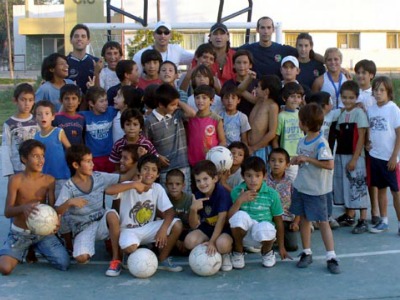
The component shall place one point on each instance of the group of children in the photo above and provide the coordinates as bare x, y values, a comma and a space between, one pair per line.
146, 146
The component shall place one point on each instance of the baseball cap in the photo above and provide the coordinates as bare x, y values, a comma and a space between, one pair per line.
162, 24
217, 26
292, 59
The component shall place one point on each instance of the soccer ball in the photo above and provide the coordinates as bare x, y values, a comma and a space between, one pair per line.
43, 221
142, 263
203, 264
221, 157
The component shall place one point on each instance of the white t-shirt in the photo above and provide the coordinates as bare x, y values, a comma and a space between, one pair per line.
108, 78
117, 131
329, 118
366, 98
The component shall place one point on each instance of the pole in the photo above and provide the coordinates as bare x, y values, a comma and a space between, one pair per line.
10, 63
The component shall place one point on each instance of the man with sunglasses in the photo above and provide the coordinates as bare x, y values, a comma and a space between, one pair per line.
172, 52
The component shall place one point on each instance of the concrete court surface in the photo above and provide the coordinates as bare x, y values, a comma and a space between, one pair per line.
370, 266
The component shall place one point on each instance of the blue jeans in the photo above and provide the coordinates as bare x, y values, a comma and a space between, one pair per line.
19, 240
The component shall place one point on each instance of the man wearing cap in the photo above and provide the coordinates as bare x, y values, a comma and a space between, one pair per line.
172, 52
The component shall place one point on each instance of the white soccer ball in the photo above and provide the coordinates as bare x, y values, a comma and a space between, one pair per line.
221, 157
43, 221
142, 263
203, 264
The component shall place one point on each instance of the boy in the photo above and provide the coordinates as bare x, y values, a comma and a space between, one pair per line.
112, 54
151, 60
264, 116
164, 128
98, 131
169, 74
82, 197
279, 161
69, 119
25, 191
313, 185
255, 212
236, 123
140, 201
19, 127
208, 213
175, 183
288, 132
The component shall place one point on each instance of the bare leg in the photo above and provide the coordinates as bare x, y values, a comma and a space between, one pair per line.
373, 195
383, 202
266, 246
195, 238
238, 235
7, 264
114, 231
171, 241
224, 243
326, 234
305, 232
396, 203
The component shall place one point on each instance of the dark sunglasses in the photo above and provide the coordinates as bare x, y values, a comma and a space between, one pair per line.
165, 32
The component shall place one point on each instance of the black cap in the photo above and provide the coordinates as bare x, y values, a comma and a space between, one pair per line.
217, 26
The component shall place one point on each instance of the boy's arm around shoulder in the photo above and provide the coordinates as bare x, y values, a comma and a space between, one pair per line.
188, 111
126, 186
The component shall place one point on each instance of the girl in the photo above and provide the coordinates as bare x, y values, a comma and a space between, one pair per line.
310, 68
54, 72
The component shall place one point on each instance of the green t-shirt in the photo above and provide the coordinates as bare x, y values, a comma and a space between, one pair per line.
289, 131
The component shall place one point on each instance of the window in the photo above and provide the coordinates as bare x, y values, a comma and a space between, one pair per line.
51, 45
348, 40
290, 38
393, 40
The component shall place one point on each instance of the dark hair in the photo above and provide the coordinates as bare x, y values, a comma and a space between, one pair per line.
149, 158
132, 97
165, 94
45, 103
111, 45
27, 146
229, 89
177, 173
70, 89
312, 116
273, 84
240, 145
94, 93
132, 149
242, 52
308, 37
131, 113
79, 26
203, 70
23, 88
280, 151
254, 163
350, 85
50, 62
205, 48
124, 66
206, 166
265, 18
165, 62
75, 153
387, 83
150, 96
206, 90
149, 55
367, 65
291, 88
321, 98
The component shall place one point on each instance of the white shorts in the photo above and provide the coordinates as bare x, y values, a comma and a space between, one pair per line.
257, 232
142, 235
84, 242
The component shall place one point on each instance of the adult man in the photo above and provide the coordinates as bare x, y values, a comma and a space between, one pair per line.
172, 52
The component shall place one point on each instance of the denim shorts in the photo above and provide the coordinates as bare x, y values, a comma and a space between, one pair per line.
314, 208
19, 240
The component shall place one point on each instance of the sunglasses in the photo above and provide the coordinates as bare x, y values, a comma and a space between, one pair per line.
165, 32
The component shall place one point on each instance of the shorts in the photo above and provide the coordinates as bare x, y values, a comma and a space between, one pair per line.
314, 208
142, 235
19, 240
263, 153
84, 241
103, 164
208, 230
257, 232
381, 177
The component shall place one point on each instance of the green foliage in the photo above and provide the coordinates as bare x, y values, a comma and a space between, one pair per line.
3, 20
144, 38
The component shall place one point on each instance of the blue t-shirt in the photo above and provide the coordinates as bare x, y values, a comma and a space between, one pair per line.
219, 201
47, 91
309, 72
98, 131
73, 126
80, 69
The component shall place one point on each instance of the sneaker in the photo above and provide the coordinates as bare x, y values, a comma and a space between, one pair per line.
375, 220
333, 266
361, 227
345, 220
269, 259
168, 265
252, 249
226, 263
333, 223
238, 260
305, 260
380, 227
114, 269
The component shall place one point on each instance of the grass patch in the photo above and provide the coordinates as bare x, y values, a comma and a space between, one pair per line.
15, 81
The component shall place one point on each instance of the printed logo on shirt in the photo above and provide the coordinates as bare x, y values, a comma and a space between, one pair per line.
378, 123
99, 131
278, 58
316, 73
142, 213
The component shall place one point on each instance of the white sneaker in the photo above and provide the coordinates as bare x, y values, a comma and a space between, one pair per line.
269, 259
238, 260
226, 263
